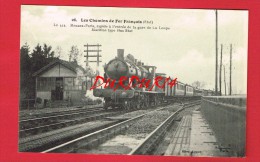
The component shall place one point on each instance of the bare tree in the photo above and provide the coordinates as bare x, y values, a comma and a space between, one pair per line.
73, 54
58, 51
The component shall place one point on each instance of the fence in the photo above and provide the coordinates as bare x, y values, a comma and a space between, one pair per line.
27, 104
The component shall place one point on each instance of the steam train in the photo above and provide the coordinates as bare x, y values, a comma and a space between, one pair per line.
138, 96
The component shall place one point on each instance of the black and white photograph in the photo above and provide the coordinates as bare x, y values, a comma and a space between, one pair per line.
133, 81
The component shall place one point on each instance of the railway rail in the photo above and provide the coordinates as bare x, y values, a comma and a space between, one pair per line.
61, 121
25, 123
51, 113
40, 142
96, 138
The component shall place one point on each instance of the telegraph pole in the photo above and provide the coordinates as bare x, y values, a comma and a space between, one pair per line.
225, 81
97, 50
230, 68
216, 74
93, 48
220, 70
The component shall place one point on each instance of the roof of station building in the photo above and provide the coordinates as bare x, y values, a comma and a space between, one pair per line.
70, 65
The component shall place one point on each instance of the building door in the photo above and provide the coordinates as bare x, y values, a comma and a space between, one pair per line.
59, 89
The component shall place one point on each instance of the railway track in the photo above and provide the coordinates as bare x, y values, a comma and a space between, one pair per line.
96, 138
152, 140
46, 124
33, 122
42, 141
47, 114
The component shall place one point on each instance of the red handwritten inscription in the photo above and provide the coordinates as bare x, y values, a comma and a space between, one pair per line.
134, 81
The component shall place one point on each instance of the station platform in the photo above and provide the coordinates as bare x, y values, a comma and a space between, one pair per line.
194, 137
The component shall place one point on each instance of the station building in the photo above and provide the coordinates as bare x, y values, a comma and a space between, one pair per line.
60, 83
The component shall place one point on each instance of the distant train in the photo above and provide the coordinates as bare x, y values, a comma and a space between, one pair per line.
138, 96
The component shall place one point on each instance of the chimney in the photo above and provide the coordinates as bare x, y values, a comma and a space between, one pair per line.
135, 61
139, 63
142, 64
120, 54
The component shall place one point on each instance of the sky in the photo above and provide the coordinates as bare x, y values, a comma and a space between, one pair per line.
186, 50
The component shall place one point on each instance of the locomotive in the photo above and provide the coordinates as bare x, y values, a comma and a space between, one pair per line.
136, 96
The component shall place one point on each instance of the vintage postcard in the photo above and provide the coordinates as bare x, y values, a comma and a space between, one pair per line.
133, 81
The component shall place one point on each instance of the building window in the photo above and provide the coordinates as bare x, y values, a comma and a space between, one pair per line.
45, 84
74, 84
